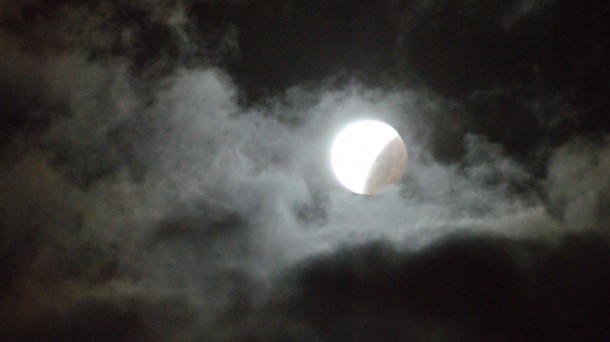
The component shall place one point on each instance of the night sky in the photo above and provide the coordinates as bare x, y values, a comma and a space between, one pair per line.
164, 170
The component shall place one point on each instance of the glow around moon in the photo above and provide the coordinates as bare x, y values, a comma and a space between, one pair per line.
368, 156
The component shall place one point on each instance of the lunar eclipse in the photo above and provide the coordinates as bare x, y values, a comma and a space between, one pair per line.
368, 156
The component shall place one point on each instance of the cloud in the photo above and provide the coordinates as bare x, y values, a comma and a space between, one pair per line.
577, 184
147, 194
465, 288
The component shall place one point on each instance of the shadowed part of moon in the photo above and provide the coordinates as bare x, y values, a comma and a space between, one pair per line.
388, 167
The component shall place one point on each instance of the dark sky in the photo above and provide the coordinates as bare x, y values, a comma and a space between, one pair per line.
164, 171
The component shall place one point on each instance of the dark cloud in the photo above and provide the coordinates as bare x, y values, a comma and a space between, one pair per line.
164, 171
464, 288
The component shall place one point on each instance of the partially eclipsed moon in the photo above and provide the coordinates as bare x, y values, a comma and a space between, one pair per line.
368, 156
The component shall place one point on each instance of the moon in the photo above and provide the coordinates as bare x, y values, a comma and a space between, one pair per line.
368, 157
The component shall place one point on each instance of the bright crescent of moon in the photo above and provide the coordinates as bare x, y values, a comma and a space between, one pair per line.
367, 156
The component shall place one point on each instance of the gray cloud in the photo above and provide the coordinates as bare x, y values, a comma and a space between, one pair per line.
577, 185
148, 199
